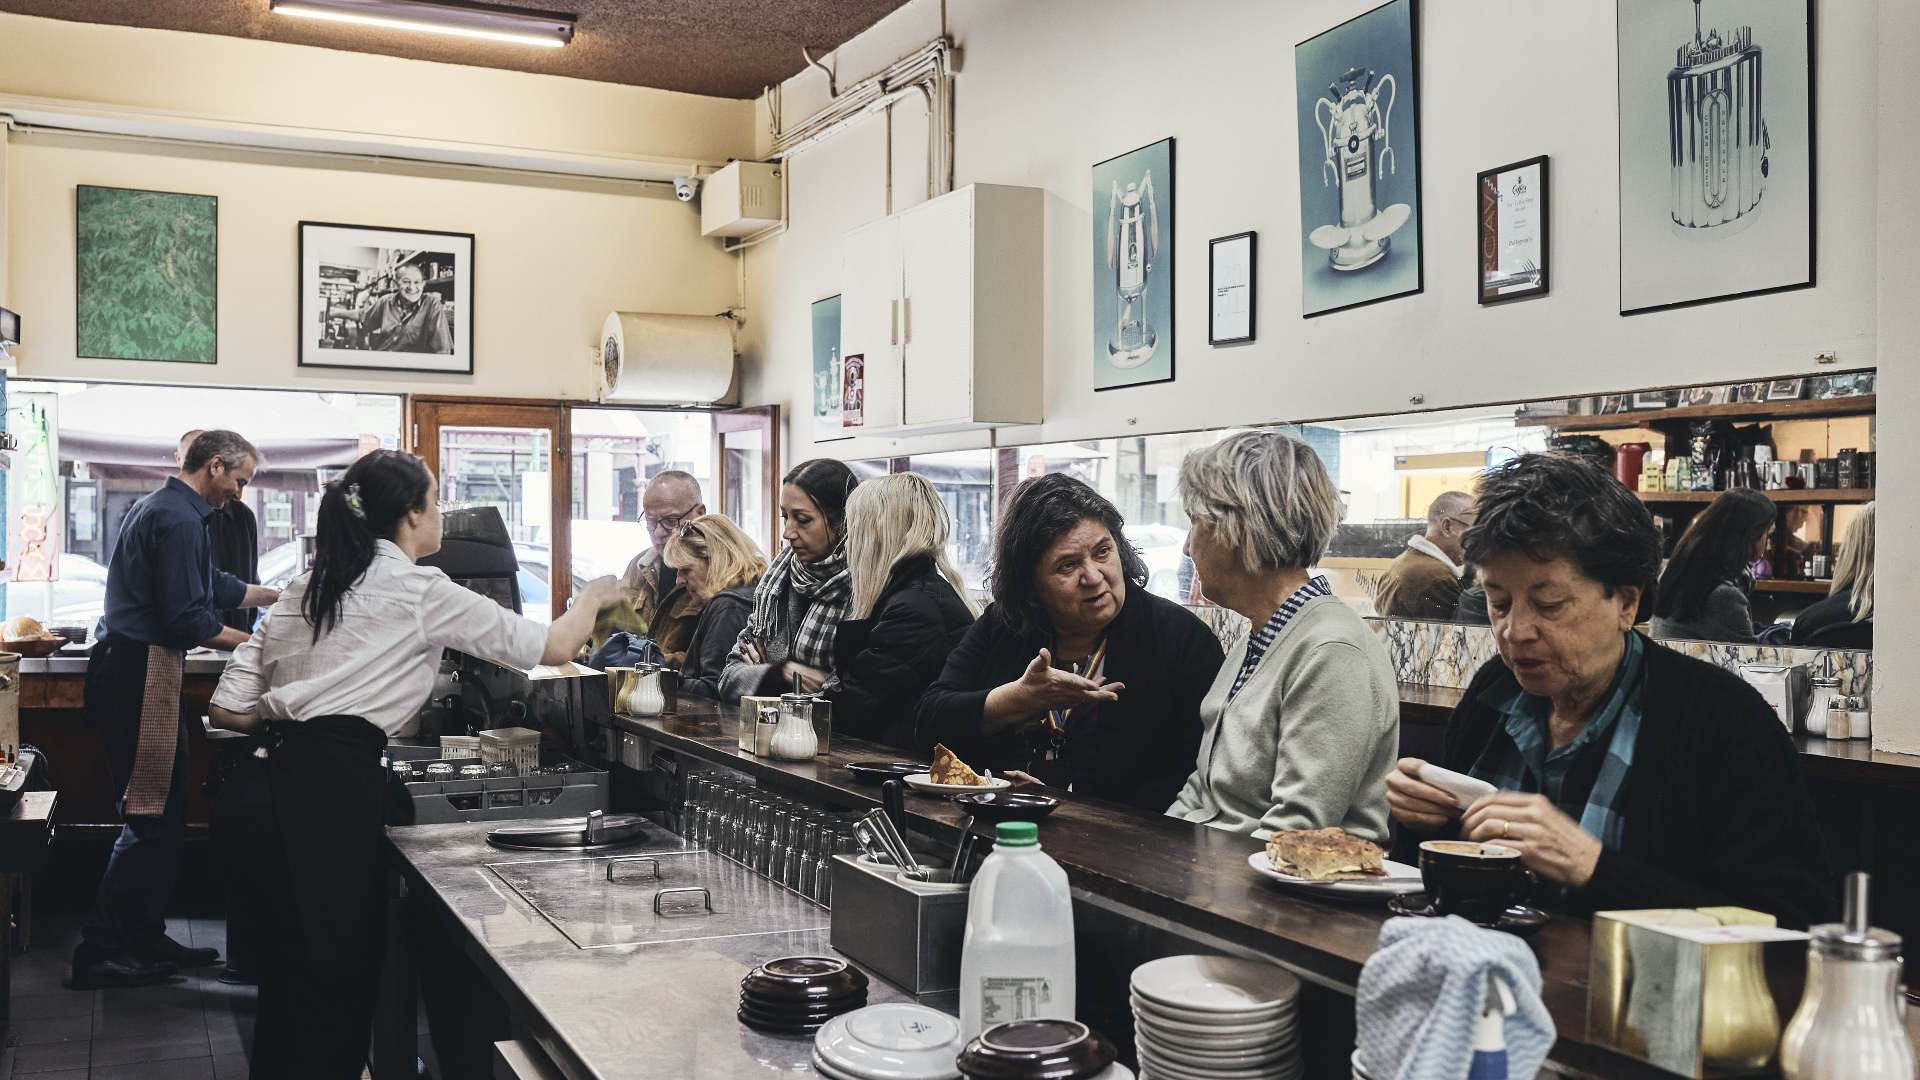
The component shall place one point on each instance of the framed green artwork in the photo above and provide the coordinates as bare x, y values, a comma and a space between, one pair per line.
146, 275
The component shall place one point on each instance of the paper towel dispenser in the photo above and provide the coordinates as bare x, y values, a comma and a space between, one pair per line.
664, 359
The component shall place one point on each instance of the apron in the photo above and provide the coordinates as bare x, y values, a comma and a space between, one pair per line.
323, 887
153, 756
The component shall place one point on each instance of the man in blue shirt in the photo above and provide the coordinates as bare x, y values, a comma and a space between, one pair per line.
164, 597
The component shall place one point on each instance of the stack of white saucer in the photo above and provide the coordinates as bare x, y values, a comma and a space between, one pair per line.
1216, 1018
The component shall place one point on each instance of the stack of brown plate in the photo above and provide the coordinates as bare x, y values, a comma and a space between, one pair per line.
1041, 1050
795, 995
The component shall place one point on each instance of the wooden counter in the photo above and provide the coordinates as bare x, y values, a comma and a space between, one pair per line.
1188, 876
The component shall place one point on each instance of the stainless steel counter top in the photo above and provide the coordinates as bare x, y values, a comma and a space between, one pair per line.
67, 663
620, 1011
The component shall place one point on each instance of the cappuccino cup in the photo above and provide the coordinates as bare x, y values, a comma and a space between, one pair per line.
1475, 881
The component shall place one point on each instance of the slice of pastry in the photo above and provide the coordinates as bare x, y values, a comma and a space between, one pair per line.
1324, 855
948, 769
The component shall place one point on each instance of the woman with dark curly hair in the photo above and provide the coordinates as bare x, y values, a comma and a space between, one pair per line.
1076, 676
1704, 591
1627, 775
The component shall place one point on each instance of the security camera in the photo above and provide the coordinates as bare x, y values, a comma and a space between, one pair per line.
684, 188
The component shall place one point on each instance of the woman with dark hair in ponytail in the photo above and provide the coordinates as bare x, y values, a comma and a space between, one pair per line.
344, 660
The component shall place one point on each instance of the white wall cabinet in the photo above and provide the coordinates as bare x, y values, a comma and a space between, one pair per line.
944, 302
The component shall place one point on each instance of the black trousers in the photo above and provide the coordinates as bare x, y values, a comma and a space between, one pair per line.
321, 883
241, 827
130, 908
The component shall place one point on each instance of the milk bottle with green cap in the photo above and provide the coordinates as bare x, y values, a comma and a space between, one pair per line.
1017, 961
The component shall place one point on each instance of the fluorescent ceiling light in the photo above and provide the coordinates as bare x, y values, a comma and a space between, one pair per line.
488, 22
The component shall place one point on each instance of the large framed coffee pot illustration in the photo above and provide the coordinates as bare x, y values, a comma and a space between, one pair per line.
1356, 92
1133, 268
1716, 150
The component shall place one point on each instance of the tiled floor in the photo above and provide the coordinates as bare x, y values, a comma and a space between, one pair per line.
193, 1028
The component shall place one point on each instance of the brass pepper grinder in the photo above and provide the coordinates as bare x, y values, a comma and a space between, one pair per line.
1849, 1026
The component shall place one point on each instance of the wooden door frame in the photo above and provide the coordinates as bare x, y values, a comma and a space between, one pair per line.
423, 427
751, 418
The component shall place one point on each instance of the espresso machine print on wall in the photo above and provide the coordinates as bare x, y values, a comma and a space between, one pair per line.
1133, 243
1359, 151
1716, 132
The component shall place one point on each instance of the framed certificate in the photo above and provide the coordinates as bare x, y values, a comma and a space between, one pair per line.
1510, 204
1230, 270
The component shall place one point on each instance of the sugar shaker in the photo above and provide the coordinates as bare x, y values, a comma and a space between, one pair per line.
1849, 1025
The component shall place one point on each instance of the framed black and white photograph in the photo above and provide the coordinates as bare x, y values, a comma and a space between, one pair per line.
1746, 393
387, 299
1510, 203
1716, 150
1704, 395
1231, 270
1356, 99
1653, 399
1786, 389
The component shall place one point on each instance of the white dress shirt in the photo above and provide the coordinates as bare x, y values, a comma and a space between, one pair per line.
380, 659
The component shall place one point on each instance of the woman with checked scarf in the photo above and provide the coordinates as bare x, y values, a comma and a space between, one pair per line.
788, 640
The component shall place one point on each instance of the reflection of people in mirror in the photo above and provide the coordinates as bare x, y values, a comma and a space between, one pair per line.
408, 319
1425, 580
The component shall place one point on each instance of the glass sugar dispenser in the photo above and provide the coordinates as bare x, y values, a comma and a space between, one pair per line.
795, 739
1849, 1024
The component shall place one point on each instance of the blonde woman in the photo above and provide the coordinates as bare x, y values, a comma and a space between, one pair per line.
1844, 620
720, 566
909, 608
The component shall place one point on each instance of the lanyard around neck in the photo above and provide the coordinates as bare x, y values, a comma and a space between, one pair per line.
1093, 667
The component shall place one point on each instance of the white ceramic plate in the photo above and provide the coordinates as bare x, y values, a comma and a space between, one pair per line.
894, 1041
1259, 1058
1146, 1029
923, 783
1211, 1024
1217, 1046
1158, 1067
1400, 878
1244, 990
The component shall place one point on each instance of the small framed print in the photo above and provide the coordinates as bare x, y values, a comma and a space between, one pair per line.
1652, 399
1786, 389
1746, 393
1510, 203
1230, 282
1704, 395
385, 299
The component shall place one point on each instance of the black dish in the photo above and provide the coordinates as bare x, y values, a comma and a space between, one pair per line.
1518, 920
760, 1013
1036, 1050
779, 1029
1007, 805
874, 772
802, 980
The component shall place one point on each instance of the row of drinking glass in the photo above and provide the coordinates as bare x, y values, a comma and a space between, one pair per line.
775, 837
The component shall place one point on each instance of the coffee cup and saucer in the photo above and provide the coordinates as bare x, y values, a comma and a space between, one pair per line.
1482, 883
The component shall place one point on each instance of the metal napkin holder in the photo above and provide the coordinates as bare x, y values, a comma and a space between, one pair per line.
909, 932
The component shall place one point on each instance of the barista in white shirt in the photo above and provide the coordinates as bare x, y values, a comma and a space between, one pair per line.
342, 661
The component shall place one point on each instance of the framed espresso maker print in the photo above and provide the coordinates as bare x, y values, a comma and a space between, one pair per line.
1716, 150
1510, 204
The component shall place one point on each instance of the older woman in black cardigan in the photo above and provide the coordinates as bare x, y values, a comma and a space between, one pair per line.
1627, 775
1076, 675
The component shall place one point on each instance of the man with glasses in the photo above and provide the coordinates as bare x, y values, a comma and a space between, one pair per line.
1424, 582
659, 606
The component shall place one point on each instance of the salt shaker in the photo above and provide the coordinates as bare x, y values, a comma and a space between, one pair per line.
1849, 1026
1839, 719
1859, 725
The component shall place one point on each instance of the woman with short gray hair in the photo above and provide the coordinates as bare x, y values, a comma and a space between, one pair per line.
1302, 725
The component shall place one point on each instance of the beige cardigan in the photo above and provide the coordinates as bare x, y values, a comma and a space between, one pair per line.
1309, 740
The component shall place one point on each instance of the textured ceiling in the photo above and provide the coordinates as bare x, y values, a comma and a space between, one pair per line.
724, 48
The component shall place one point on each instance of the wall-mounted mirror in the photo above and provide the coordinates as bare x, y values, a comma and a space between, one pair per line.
1799, 453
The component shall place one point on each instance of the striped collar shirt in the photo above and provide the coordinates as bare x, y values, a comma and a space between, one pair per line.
1263, 638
